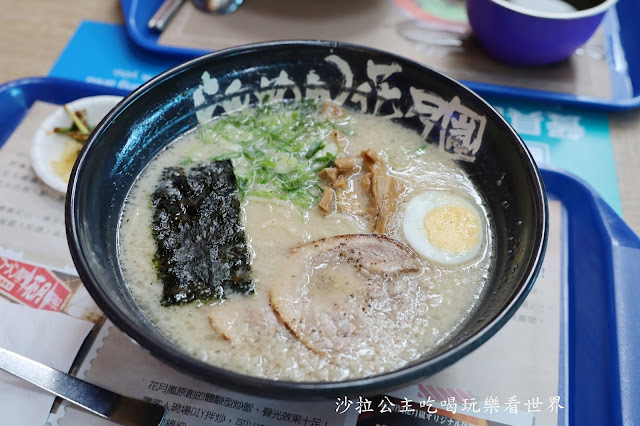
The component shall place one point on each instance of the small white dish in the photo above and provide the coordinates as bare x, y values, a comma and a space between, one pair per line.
47, 146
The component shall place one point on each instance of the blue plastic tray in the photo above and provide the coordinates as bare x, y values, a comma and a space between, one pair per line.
621, 29
601, 266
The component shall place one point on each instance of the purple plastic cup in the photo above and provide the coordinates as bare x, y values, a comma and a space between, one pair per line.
519, 35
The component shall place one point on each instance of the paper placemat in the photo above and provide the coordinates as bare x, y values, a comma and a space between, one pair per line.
36, 269
27, 331
45, 312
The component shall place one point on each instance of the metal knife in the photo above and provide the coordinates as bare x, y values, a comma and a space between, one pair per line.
104, 403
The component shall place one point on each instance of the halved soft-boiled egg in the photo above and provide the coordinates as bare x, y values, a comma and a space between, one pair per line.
443, 227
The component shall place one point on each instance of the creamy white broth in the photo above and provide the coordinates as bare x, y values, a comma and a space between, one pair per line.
242, 333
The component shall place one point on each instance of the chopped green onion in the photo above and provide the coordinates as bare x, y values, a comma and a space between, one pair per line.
314, 149
276, 149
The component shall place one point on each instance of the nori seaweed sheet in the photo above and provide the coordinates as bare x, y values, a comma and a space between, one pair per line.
201, 250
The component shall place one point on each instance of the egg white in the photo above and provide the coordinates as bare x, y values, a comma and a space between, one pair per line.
414, 229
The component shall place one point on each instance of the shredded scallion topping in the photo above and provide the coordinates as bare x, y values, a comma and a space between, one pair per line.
277, 150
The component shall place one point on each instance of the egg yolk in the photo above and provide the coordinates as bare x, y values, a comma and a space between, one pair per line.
452, 228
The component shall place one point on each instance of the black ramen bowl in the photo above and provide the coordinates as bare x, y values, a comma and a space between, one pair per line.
460, 122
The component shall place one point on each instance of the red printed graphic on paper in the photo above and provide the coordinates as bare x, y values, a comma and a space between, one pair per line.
32, 285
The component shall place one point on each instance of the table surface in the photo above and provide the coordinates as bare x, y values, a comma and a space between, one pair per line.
34, 33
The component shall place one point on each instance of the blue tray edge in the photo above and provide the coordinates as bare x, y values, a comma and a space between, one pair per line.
603, 263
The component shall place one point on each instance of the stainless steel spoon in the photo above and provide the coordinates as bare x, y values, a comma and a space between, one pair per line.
104, 403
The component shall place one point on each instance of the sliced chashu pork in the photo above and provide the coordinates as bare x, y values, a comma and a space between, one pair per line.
242, 326
339, 294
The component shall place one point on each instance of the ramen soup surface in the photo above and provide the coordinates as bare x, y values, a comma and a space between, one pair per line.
365, 285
